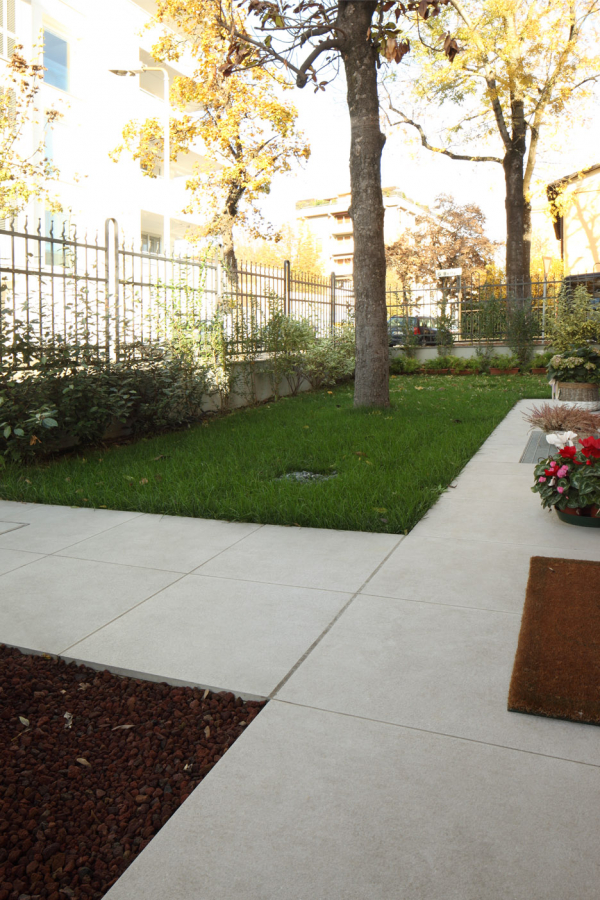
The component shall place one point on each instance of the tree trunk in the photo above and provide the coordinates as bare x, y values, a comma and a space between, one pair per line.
229, 257
517, 257
366, 144
527, 239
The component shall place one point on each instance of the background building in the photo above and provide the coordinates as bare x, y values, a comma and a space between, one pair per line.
575, 203
330, 222
82, 42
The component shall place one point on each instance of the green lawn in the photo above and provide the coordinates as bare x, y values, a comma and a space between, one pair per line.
391, 464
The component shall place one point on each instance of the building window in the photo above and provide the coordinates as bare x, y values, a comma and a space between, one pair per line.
151, 243
7, 27
343, 261
56, 61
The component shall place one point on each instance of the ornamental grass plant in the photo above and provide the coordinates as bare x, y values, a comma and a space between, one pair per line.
551, 418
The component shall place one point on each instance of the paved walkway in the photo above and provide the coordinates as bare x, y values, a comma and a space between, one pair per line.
387, 765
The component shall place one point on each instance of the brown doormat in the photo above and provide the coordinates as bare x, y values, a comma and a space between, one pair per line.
557, 664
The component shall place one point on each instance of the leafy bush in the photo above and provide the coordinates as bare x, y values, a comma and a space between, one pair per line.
287, 341
521, 329
403, 365
576, 322
441, 362
580, 365
44, 410
330, 359
541, 360
504, 361
464, 363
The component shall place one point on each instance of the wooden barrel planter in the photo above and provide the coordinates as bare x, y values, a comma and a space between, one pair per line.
585, 395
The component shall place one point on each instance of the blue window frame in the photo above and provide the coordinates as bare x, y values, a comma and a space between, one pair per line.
56, 61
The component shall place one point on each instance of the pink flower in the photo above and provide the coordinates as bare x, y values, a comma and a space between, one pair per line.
541, 478
560, 489
562, 471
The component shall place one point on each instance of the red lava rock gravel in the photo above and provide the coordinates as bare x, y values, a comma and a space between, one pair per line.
92, 766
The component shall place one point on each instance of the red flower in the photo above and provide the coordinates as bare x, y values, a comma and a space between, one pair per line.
591, 447
568, 452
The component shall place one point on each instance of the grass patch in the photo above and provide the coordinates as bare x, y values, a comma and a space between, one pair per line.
391, 464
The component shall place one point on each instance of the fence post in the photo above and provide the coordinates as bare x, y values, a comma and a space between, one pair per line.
332, 312
287, 278
112, 280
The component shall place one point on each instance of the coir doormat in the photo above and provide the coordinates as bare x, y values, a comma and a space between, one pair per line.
557, 664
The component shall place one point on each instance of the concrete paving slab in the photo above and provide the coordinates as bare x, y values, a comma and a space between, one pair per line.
217, 632
175, 543
436, 668
14, 559
5, 527
52, 528
52, 602
10, 508
309, 805
520, 521
449, 571
305, 557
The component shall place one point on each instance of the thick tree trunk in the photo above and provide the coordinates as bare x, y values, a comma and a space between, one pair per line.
366, 144
517, 223
229, 257
515, 220
527, 239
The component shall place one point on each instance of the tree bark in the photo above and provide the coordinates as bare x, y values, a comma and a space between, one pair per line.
371, 387
229, 257
517, 259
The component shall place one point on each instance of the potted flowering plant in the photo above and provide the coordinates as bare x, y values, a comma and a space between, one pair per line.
576, 374
504, 365
570, 483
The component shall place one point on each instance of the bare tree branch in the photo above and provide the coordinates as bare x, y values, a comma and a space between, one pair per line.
312, 56
445, 151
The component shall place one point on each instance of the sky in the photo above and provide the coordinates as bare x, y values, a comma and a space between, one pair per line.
422, 175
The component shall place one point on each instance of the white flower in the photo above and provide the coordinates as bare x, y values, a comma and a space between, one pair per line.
561, 439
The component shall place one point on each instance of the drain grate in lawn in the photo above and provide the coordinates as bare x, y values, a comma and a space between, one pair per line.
93, 765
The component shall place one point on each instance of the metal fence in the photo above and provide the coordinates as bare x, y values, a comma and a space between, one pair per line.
108, 299
111, 300
476, 311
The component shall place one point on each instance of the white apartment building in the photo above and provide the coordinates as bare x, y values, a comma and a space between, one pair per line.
82, 42
329, 220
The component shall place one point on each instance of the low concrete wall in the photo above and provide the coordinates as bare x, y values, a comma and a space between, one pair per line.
464, 350
262, 390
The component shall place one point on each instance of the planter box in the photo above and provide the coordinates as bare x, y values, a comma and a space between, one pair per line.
436, 371
463, 372
541, 371
494, 371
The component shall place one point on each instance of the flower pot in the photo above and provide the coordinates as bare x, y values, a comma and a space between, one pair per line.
462, 371
579, 517
587, 396
494, 371
437, 371
541, 371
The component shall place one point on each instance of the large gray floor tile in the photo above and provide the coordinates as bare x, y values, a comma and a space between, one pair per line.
14, 559
230, 635
438, 668
307, 557
307, 805
5, 527
444, 570
520, 521
53, 602
52, 528
9, 508
174, 543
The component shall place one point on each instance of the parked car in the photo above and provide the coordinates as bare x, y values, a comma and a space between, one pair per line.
422, 326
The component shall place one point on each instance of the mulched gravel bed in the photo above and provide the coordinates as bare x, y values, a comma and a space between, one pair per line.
92, 765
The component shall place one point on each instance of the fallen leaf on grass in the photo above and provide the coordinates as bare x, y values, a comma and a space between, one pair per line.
143, 481
158, 477
162, 456
419, 389
359, 453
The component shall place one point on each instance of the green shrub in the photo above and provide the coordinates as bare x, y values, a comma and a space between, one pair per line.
286, 340
580, 365
403, 365
521, 329
40, 411
330, 359
576, 322
464, 363
504, 361
540, 360
440, 362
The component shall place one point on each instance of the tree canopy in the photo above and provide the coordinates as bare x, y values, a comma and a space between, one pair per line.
523, 69
453, 236
25, 172
242, 125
